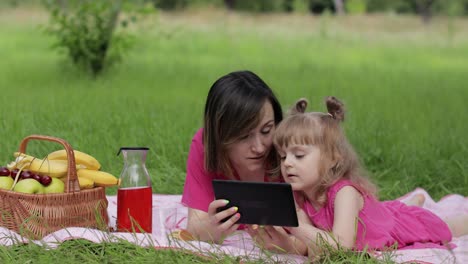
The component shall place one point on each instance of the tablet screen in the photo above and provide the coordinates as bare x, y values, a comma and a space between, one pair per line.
262, 203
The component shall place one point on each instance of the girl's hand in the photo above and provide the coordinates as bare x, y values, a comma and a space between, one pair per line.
224, 222
275, 238
303, 220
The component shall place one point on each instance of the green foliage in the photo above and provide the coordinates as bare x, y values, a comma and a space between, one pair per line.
321, 6
452, 8
260, 5
398, 6
355, 6
86, 31
170, 4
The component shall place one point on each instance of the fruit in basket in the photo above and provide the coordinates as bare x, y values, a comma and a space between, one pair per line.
49, 167
81, 158
100, 178
13, 173
26, 174
4, 171
55, 186
29, 186
6, 183
37, 177
85, 183
46, 180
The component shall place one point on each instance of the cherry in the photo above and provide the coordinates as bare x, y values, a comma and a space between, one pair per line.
13, 173
37, 177
4, 171
26, 174
46, 180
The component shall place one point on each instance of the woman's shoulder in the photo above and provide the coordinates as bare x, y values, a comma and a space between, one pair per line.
198, 136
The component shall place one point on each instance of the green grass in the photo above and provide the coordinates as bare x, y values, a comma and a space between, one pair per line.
404, 86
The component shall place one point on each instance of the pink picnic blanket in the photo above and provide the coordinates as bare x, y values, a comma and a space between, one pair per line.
170, 215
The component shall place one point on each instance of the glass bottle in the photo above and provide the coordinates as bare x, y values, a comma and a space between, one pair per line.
134, 196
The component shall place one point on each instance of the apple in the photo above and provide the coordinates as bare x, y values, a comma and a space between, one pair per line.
46, 180
4, 171
6, 183
29, 186
56, 186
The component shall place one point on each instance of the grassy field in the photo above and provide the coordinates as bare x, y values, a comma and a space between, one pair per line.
404, 84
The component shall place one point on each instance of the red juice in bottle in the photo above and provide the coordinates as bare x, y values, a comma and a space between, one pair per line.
134, 211
134, 196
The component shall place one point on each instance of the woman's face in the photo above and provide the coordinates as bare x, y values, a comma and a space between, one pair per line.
249, 153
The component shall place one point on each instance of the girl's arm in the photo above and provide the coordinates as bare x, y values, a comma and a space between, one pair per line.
275, 238
348, 203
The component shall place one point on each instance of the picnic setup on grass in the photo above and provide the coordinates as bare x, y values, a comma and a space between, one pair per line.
62, 197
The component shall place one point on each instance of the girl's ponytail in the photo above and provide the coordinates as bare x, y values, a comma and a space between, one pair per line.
335, 108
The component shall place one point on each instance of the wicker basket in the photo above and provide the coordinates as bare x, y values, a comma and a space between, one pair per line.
36, 215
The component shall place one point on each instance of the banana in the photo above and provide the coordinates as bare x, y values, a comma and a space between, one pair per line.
49, 167
81, 158
100, 178
78, 166
85, 183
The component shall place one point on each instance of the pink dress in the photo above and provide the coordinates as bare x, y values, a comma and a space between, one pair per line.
385, 224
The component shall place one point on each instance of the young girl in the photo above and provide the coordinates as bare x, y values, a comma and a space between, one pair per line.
336, 202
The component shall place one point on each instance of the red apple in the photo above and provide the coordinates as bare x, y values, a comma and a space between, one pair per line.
46, 180
4, 171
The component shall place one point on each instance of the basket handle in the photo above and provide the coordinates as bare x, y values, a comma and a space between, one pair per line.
72, 184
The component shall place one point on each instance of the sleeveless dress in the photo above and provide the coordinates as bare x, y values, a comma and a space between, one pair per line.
387, 224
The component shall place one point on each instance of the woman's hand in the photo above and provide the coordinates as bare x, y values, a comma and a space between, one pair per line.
213, 226
275, 238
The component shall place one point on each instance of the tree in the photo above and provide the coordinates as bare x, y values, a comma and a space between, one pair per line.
339, 7
85, 29
425, 9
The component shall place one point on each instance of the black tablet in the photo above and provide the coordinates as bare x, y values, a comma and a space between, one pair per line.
259, 203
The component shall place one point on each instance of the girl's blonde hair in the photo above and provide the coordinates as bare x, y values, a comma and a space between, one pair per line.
338, 158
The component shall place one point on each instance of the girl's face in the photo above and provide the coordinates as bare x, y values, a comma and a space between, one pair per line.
300, 166
249, 153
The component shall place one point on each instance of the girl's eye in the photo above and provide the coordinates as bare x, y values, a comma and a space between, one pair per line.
282, 157
266, 131
299, 156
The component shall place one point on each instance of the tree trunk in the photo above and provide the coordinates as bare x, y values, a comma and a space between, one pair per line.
424, 9
339, 7
230, 4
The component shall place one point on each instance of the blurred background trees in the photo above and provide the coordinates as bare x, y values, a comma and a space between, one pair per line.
425, 8
92, 33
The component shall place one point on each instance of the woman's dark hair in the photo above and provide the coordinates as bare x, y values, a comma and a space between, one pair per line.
233, 108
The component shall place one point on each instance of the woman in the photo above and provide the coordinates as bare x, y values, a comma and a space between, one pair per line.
235, 143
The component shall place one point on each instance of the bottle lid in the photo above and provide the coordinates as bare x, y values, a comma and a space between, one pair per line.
131, 148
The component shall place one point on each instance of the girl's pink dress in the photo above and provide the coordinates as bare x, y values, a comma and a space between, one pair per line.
385, 224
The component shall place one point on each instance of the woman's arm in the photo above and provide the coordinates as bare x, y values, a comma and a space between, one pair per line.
208, 226
203, 221
348, 203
